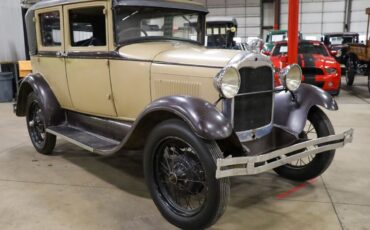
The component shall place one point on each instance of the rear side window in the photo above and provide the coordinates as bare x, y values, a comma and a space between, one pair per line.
87, 27
50, 28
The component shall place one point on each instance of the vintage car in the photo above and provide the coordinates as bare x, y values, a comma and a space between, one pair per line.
133, 74
358, 60
221, 32
275, 36
319, 68
337, 44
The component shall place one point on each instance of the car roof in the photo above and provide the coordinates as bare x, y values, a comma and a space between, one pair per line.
277, 31
222, 19
175, 4
340, 33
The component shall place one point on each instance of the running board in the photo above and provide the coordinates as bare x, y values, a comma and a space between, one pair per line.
86, 140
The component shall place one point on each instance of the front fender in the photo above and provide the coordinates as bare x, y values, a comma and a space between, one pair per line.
292, 115
50, 105
202, 117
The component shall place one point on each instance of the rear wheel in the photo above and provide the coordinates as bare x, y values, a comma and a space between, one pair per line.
43, 142
350, 70
317, 125
180, 173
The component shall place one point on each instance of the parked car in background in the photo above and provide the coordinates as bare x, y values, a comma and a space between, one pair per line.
319, 68
337, 44
221, 32
273, 37
358, 61
135, 75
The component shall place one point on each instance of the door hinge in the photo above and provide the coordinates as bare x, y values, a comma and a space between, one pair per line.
108, 63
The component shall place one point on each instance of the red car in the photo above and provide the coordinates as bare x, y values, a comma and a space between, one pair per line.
319, 68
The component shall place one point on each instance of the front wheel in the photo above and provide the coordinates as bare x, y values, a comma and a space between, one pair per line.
43, 142
180, 171
317, 125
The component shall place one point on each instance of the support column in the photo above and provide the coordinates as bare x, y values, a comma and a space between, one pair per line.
277, 15
293, 19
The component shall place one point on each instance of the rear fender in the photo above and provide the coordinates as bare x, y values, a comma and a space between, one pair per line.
292, 114
51, 108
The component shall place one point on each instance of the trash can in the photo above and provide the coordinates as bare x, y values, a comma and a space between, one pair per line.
6, 86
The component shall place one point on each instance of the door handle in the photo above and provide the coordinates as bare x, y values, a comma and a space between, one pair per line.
61, 54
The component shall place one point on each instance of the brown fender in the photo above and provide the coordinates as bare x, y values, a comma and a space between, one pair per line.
202, 117
54, 115
292, 114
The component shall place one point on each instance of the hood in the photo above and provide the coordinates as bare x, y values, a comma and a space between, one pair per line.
315, 60
309, 60
176, 52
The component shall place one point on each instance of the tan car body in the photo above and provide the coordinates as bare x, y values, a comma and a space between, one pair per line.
122, 88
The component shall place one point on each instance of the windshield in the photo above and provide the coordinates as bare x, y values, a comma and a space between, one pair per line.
303, 48
278, 37
144, 23
339, 40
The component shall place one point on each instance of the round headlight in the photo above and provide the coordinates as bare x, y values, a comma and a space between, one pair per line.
227, 82
291, 77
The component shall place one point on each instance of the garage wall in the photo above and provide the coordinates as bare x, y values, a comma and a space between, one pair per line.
317, 16
247, 13
358, 17
11, 31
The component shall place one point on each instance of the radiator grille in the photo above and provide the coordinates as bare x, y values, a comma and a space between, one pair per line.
254, 102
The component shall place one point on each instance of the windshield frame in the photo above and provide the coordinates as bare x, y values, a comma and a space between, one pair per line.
200, 35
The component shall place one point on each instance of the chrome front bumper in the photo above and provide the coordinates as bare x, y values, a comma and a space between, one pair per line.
250, 165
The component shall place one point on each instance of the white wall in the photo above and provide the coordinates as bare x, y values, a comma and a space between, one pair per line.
247, 13
11, 31
316, 16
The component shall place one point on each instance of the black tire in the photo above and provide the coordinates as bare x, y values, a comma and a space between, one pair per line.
168, 179
351, 65
318, 163
43, 142
368, 82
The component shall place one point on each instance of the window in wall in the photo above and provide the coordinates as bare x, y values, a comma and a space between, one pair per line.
50, 28
87, 27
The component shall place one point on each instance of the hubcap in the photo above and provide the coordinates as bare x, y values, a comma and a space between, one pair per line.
36, 124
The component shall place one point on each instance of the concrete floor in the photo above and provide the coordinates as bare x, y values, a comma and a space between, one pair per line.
74, 189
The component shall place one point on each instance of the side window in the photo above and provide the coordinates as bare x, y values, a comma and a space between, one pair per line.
50, 28
87, 27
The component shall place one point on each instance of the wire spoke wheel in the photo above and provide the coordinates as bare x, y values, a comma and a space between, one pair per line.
309, 133
317, 125
43, 142
180, 176
36, 124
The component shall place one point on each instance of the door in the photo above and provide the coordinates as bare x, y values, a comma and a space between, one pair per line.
87, 64
50, 45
